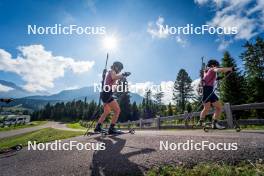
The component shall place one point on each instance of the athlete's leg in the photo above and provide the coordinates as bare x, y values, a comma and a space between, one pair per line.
206, 109
114, 106
107, 110
204, 112
218, 110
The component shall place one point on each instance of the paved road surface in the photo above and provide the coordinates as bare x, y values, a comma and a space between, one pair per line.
135, 154
57, 125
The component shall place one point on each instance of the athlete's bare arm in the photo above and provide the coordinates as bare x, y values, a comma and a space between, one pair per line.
223, 69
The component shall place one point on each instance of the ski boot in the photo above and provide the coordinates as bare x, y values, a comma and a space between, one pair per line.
216, 125
200, 123
113, 130
99, 129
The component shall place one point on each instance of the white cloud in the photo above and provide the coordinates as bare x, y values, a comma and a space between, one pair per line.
72, 87
166, 87
201, 2
4, 88
223, 43
91, 5
68, 18
39, 68
154, 29
195, 85
258, 7
181, 41
246, 15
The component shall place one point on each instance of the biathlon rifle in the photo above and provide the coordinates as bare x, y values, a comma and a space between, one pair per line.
203, 67
104, 72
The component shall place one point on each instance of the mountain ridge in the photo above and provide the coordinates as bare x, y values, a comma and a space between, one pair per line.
35, 101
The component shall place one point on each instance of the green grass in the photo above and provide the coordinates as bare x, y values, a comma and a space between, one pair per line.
75, 126
40, 136
252, 127
31, 124
207, 169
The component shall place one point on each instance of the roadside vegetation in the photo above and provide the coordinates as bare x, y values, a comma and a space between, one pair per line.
75, 125
210, 169
252, 127
40, 136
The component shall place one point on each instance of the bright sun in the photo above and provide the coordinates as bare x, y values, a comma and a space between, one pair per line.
110, 42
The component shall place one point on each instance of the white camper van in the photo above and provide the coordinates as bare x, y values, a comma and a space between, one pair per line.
16, 120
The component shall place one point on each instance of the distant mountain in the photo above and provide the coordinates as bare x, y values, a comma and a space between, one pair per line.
67, 95
16, 91
79, 94
31, 101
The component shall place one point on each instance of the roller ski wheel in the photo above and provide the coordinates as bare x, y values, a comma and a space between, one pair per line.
238, 129
132, 131
104, 133
206, 129
14, 148
17, 147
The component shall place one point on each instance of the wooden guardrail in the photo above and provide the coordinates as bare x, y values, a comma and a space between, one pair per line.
228, 109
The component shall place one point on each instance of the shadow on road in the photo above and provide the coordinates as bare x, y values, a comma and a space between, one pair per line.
112, 161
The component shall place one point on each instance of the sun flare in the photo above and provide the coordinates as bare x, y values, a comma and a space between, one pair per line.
110, 42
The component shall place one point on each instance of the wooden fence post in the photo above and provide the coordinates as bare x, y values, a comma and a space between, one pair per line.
140, 123
129, 124
186, 121
158, 122
229, 116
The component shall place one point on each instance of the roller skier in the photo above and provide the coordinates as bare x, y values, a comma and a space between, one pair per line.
109, 102
209, 97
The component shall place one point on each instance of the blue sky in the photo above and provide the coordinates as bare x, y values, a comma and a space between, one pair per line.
150, 58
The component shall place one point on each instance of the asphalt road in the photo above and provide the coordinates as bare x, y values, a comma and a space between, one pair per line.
133, 154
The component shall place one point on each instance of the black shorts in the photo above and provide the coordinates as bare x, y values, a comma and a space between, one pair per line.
107, 97
209, 95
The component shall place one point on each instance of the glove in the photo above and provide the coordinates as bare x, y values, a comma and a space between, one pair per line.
233, 69
126, 74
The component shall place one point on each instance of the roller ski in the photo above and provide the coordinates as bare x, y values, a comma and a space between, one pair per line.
98, 130
113, 131
102, 132
216, 126
118, 132
11, 149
